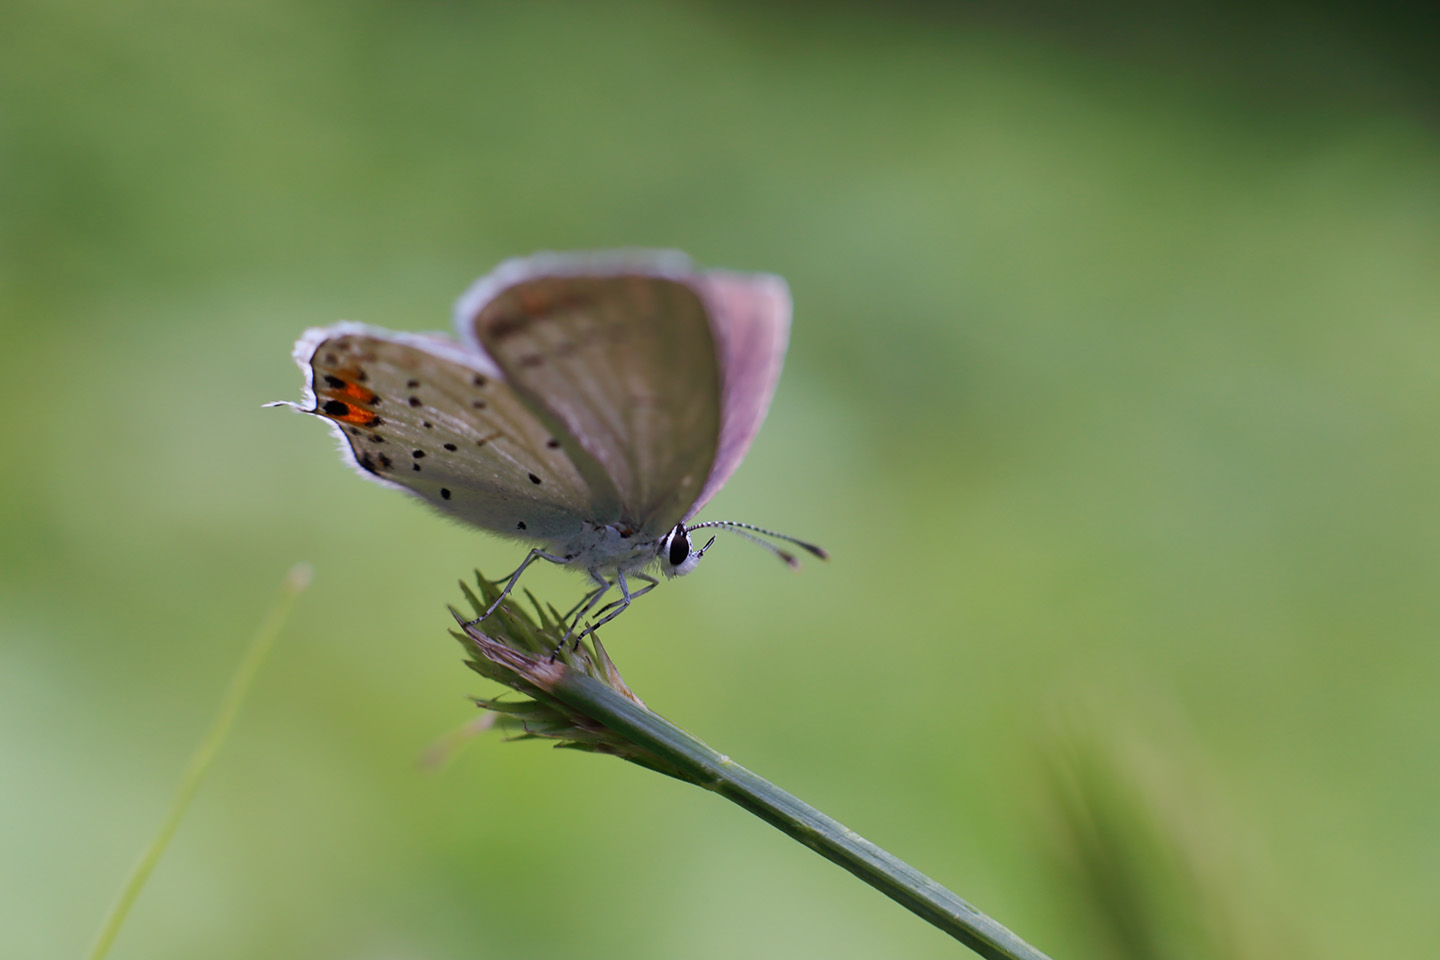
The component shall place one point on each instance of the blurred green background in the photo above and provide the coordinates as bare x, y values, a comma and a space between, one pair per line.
1112, 390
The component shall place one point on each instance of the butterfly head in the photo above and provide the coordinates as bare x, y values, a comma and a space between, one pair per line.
677, 554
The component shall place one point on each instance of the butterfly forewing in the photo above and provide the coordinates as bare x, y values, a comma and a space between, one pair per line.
437, 420
626, 366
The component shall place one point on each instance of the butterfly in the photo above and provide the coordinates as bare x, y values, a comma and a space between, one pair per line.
591, 406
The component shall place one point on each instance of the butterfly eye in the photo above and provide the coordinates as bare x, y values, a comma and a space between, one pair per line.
679, 545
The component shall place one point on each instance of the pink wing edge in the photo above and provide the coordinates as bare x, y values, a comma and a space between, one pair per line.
435, 344
749, 318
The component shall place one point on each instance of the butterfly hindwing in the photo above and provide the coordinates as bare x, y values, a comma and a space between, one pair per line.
440, 421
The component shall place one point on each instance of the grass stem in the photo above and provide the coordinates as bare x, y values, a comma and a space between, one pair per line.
295, 582
706, 767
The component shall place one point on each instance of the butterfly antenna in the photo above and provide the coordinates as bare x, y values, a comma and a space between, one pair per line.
749, 531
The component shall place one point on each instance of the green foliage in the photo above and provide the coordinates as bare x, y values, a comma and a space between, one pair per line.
1113, 357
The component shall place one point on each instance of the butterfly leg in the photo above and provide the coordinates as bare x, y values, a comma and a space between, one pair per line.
620, 606
531, 557
625, 600
602, 587
583, 601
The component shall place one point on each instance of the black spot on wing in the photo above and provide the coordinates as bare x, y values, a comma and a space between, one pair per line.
336, 408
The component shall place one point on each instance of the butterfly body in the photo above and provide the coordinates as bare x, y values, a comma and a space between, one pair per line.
608, 550
591, 406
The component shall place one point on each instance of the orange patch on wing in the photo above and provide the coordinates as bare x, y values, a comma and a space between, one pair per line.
344, 384
339, 397
354, 392
358, 416
342, 412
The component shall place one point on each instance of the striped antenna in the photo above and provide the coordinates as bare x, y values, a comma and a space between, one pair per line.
748, 531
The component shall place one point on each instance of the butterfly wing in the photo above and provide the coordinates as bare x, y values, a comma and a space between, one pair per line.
750, 318
620, 355
438, 420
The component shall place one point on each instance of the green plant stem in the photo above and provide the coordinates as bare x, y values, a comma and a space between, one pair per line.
295, 582
832, 840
